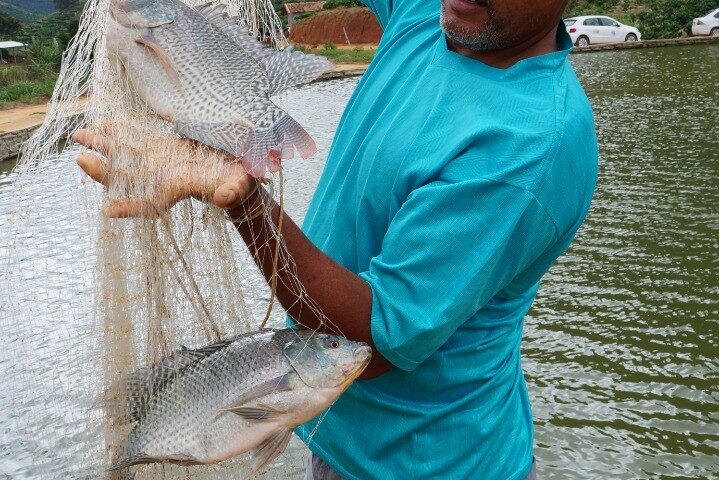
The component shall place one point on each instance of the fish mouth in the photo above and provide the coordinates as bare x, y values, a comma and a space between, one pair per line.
352, 374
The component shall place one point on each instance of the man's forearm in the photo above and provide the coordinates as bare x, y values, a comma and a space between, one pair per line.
319, 293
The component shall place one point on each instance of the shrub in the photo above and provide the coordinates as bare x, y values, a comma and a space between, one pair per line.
667, 18
10, 74
655, 18
43, 57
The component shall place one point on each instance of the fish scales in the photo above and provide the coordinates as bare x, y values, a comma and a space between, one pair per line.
244, 394
226, 72
204, 389
203, 72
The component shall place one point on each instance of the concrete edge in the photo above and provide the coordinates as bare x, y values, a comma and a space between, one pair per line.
10, 142
670, 42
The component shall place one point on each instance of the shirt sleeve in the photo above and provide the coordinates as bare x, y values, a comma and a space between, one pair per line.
382, 10
449, 249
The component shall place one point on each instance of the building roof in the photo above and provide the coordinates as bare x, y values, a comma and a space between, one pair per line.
303, 7
11, 44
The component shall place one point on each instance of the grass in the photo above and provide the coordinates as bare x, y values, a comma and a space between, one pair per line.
10, 74
341, 55
27, 90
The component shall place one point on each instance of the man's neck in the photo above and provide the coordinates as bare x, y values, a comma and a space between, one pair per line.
545, 42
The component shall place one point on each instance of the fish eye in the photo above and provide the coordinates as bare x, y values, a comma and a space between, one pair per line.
334, 344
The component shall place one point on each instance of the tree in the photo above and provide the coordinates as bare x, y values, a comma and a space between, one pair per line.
8, 26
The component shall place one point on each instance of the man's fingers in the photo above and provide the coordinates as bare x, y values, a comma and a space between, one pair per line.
92, 140
93, 166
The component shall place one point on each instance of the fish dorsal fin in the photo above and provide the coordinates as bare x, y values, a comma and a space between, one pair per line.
285, 68
135, 391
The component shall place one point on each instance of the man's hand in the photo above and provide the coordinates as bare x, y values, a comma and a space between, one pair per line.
331, 298
228, 188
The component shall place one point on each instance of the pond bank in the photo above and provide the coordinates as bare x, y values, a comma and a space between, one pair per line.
668, 42
18, 124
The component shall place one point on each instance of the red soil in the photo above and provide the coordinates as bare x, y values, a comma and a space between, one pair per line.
327, 26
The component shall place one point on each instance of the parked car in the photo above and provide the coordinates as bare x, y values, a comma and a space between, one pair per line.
707, 25
591, 29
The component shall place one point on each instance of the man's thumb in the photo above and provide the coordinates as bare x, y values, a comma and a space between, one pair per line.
225, 196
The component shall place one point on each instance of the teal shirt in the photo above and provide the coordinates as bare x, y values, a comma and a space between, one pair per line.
450, 188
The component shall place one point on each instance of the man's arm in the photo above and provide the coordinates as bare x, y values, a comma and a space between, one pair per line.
382, 10
328, 297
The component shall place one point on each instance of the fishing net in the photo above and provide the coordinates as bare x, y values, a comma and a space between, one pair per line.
174, 279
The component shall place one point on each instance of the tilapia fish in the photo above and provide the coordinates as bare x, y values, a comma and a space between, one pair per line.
243, 394
204, 72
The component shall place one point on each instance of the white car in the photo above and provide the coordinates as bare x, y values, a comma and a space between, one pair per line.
707, 25
593, 29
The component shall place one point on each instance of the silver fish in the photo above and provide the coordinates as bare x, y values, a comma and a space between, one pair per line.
243, 394
204, 72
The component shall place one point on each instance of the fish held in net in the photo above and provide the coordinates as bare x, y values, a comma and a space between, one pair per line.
205, 73
244, 394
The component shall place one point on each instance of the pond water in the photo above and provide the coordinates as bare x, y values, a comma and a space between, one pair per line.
621, 350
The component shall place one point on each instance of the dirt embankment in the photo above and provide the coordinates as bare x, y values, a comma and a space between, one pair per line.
330, 26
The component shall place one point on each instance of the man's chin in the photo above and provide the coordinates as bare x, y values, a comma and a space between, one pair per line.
459, 36
480, 34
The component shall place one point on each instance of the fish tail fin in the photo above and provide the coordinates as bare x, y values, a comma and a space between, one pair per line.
284, 136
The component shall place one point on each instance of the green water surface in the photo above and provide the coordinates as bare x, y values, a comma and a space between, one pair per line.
622, 348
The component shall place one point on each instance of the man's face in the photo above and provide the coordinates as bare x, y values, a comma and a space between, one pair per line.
489, 25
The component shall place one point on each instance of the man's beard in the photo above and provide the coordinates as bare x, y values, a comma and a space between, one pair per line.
486, 38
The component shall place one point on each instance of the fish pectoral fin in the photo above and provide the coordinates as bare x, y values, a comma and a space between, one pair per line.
149, 42
282, 383
268, 450
138, 459
257, 412
274, 385
183, 459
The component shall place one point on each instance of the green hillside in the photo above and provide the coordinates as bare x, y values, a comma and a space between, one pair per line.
61, 26
18, 12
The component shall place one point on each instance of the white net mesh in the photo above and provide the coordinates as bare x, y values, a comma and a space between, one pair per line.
181, 278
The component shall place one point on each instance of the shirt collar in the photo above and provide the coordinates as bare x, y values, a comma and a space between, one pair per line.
546, 63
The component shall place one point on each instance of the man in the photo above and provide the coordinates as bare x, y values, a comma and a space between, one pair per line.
462, 168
